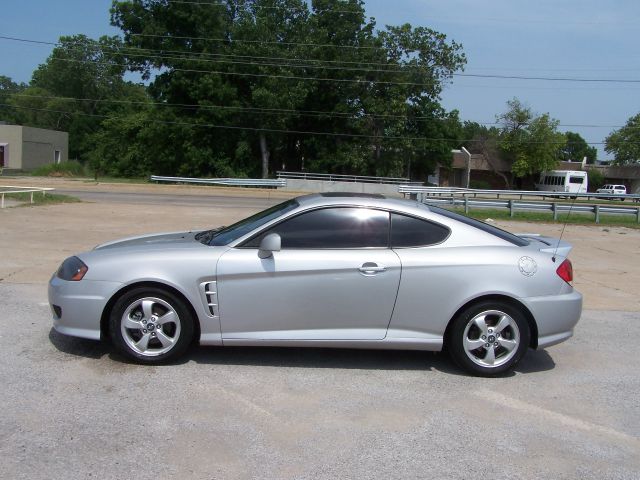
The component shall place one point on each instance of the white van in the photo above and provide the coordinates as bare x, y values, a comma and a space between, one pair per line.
565, 181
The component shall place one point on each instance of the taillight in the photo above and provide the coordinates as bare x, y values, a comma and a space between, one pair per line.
565, 271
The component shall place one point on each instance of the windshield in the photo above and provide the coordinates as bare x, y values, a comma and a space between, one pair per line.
226, 235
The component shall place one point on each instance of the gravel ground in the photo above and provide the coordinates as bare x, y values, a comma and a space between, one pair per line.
74, 409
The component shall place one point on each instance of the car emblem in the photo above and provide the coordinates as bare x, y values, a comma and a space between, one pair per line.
528, 266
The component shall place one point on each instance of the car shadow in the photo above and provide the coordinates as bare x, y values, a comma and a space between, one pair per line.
295, 357
345, 358
536, 361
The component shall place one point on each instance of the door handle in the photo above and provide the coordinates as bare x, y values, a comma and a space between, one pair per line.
371, 268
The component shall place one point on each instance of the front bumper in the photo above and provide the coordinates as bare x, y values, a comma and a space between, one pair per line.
77, 306
555, 316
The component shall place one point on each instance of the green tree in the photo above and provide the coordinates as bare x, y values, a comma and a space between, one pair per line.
577, 148
7, 88
624, 143
79, 85
531, 143
261, 75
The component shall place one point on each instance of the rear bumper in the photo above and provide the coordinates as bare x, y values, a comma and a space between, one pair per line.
77, 306
555, 316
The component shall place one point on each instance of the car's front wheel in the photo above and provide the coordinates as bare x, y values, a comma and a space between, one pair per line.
488, 338
151, 325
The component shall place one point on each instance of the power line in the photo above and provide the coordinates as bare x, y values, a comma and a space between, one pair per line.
458, 19
282, 111
235, 127
264, 7
265, 75
462, 75
266, 42
195, 56
312, 113
360, 81
286, 131
162, 52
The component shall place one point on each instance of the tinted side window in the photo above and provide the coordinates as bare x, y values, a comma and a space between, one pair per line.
332, 228
414, 232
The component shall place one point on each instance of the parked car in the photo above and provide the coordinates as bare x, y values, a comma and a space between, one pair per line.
614, 190
326, 270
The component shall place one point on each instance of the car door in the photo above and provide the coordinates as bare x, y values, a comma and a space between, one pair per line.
333, 279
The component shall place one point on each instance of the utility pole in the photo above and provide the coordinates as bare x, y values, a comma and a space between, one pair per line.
467, 174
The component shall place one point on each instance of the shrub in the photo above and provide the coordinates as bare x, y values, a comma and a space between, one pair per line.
596, 179
479, 184
71, 168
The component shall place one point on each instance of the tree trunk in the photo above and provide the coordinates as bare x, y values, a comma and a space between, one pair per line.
487, 155
265, 155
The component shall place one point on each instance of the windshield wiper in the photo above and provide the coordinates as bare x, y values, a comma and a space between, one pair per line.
206, 236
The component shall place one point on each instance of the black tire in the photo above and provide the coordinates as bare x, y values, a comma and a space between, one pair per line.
505, 347
162, 325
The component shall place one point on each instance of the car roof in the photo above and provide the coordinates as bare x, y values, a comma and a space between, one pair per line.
360, 200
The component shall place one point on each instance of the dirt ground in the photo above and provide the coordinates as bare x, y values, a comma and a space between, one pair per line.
34, 240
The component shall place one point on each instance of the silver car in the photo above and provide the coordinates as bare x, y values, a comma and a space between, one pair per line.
326, 270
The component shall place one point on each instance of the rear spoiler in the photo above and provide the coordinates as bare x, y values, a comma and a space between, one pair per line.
548, 244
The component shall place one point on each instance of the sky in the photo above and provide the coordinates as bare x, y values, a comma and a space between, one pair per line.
585, 39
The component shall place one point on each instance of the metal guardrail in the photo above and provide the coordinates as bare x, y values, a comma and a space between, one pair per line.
514, 205
8, 189
236, 182
469, 192
331, 177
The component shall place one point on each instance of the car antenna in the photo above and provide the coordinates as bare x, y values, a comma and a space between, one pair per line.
573, 201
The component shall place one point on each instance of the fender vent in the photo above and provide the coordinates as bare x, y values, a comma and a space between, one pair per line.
210, 297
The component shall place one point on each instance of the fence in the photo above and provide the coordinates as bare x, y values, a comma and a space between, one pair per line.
469, 192
331, 177
8, 189
236, 182
515, 205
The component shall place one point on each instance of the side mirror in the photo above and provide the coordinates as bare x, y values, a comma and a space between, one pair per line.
269, 244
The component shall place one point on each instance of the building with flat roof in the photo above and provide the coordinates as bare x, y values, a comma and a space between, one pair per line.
27, 148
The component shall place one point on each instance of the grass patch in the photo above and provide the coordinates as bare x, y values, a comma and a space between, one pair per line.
40, 199
564, 217
63, 169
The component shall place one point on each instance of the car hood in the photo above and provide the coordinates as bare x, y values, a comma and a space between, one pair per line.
156, 239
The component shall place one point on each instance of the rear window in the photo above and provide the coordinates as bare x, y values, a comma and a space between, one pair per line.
414, 232
485, 227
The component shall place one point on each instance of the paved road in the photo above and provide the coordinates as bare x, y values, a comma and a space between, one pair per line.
144, 198
73, 409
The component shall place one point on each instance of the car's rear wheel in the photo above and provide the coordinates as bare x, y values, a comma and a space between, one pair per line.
151, 325
488, 338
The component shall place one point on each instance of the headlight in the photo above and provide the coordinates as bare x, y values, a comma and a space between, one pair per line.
72, 269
